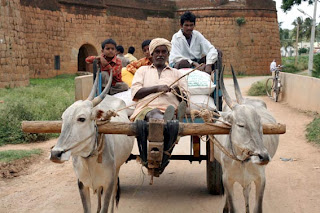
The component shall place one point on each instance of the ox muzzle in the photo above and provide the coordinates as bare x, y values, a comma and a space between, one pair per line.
59, 156
260, 158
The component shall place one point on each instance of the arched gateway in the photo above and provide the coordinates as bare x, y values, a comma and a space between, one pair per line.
85, 51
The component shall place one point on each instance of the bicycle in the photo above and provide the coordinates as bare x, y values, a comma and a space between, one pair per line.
273, 85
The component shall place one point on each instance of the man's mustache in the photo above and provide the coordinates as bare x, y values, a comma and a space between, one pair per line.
160, 58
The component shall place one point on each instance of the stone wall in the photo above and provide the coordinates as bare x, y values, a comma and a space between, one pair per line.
41, 31
13, 51
305, 97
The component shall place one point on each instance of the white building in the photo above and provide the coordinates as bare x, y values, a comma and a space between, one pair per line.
291, 51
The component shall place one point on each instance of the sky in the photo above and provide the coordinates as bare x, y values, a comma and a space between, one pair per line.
288, 17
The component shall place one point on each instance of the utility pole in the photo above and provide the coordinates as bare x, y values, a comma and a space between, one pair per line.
297, 38
310, 64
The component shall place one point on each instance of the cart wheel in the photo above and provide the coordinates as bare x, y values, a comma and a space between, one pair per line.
214, 175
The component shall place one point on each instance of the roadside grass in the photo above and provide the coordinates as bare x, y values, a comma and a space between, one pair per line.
12, 155
313, 131
288, 63
302, 64
258, 88
43, 99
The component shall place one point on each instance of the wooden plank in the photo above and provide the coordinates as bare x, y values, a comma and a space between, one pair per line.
196, 146
129, 128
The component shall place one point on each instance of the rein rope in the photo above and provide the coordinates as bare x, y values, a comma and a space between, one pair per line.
66, 150
150, 99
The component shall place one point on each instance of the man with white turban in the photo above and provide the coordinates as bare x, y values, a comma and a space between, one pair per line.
150, 80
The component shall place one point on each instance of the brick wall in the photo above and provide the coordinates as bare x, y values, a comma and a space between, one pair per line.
13, 50
40, 30
51, 33
250, 48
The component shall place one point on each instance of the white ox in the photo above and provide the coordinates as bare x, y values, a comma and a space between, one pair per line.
248, 144
79, 139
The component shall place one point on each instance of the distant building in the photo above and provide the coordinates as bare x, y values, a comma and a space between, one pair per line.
291, 51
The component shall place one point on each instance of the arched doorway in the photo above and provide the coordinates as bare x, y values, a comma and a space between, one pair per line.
85, 51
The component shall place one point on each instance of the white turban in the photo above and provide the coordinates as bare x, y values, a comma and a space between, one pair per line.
159, 42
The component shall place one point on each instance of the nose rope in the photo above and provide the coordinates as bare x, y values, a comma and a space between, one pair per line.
232, 149
78, 143
248, 152
152, 98
95, 139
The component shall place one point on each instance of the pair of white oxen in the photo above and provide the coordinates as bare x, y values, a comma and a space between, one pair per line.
246, 141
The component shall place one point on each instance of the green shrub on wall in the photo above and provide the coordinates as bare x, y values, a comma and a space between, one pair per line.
240, 21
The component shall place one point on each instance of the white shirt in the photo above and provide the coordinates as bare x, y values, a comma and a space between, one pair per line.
273, 66
199, 46
147, 76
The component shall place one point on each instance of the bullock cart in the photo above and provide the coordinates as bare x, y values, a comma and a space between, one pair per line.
153, 153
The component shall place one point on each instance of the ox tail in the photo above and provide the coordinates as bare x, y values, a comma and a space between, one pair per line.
118, 193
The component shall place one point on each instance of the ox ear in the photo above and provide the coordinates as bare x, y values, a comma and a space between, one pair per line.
97, 114
227, 116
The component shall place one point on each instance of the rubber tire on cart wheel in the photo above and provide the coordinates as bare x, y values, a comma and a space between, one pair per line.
214, 175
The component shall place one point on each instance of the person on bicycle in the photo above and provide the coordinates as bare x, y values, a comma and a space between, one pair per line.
273, 66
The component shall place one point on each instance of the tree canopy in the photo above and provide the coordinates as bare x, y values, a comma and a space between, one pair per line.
288, 4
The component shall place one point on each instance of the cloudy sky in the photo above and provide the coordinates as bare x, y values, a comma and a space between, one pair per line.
288, 17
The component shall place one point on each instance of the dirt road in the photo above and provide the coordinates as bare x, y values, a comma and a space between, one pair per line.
292, 186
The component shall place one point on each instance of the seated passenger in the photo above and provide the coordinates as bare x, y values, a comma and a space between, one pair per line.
189, 45
149, 80
110, 63
124, 60
130, 55
147, 60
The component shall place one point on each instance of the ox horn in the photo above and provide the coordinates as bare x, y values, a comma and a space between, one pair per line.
237, 91
103, 94
225, 94
95, 84
93, 90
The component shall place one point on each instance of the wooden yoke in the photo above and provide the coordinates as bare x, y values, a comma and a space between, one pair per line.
130, 128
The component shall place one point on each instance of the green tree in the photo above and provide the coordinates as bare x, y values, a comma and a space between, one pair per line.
287, 43
285, 38
298, 23
307, 25
284, 34
288, 4
317, 36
